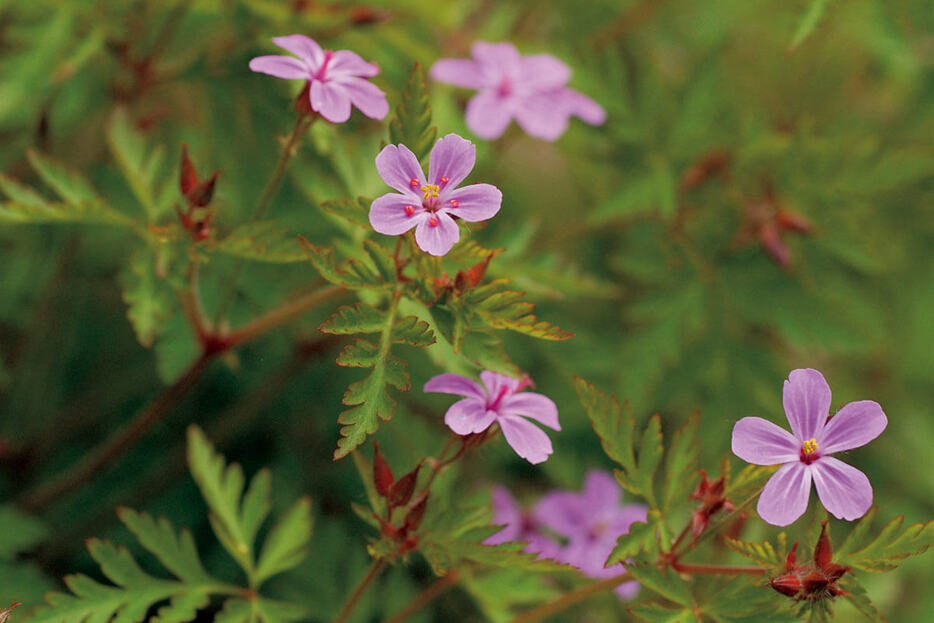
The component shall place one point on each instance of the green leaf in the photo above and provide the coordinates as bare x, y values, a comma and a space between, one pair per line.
411, 125
352, 274
763, 554
356, 318
222, 487
680, 463
18, 532
176, 552
858, 596
884, 551
149, 300
355, 211
657, 613
27, 206
287, 544
650, 455
808, 22
662, 581
614, 424
641, 537
263, 241
505, 309
140, 165
69, 185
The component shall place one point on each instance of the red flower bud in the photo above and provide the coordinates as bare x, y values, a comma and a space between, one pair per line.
203, 192
822, 552
786, 585
401, 492
473, 276
790, 221
413, 518
815, 583
792, 558
188, 177
382, 474
773, 243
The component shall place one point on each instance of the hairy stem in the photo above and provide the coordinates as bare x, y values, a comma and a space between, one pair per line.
569, 599
422, 599
364, 584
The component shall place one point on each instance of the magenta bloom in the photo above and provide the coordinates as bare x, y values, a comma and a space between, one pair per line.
592, 521
431, 205
336, 78
529, 89
519, 526
843, 490
500, 399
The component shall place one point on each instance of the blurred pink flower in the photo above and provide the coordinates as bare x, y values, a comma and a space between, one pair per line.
529, 89
336, 79
500, 399
843, 490
429, 206
519, 526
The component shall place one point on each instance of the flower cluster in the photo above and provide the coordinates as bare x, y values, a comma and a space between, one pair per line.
500, 400
579, 529
530, 89
811, 581
804, 454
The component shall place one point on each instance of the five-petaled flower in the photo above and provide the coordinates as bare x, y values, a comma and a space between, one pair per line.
429, 205
530, 89
591, 521
335, 79
519, 526
500, 399
805, 455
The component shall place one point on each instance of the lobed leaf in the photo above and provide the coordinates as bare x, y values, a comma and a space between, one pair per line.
71, 186
662, 581
352, 274
763, 554
355, 211
411, 125
642, 536
680, 463
262, 241
27, 206
884, 551
286, 546
140, 165
505, 309
613, 423
149, 301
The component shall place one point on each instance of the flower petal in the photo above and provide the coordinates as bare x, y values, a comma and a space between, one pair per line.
398, 166
529, 441
439, 238
542, 115
785, 496
560, 511
347, 63
581, 106
806, 398
366, 96
452, 157
495, 381
855, 425
761, 442
843, 490
627, 590
460, 72
281, 67
506, 512
475, 202
543, 71
600, 491
388, 214
331, 100
532, 405
469, 416
303, 47
496, 58
488, 114
455, 384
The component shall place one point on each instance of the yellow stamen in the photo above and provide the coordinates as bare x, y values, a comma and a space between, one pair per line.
809, 446
431, 191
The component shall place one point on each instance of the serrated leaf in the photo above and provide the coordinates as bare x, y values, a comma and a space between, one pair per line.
149, 300
650, 455
411, 125
176, 552
351, 274
642, 536
355, 211
369, 399
858, 596
763, 554
286, 546
356, 318
613, 423
505, 309
412, 331
662, 581
809, 21
71, 186
680, 462
263, 241
19, 531
883, 552
657, 613
27, 206
140, 164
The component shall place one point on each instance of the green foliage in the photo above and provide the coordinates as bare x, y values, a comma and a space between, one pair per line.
149, 300
411, 125
263, 242
763, 554
884, 551
504, 309
354, 211
142, 167
809, 21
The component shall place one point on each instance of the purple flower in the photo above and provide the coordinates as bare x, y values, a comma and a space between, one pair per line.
519, 526
430, 205
592, 521
805, 455
499, 400
336, 79
530, 89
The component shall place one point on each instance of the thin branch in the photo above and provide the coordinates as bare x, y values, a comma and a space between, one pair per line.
426, 596
281, 315
569, 599
351, 603
683, 567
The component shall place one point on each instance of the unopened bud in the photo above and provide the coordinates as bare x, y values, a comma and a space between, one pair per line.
401, 491
786, 585
413, 518
382, 474
822, 551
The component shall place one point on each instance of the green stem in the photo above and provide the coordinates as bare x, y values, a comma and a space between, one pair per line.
351, 602
423, 598
715, 569
281, 315
569, 599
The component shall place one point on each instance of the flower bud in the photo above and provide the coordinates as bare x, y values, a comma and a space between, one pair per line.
786, 585
382, 474
401, 491
413, 518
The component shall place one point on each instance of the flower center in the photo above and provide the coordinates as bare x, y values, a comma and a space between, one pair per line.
319, 75
499, 397
505, 88
809, 451
430, 191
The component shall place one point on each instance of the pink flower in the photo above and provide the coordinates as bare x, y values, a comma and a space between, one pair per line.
530, 89
591, 521
843, 490
430, 205
519, 525
336, 79
500, 399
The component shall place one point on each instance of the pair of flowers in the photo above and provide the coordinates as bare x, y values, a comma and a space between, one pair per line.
530, 89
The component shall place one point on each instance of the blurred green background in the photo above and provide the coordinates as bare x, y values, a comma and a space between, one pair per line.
653, 238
